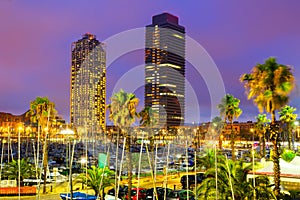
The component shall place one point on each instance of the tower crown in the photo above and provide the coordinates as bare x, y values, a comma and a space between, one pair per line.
163, 18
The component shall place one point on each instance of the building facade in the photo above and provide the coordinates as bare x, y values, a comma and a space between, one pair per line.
11, 124
165, 70
88, 84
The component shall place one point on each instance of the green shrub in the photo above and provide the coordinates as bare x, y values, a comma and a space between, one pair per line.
288, 155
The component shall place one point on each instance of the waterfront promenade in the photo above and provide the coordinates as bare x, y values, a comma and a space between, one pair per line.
145, 182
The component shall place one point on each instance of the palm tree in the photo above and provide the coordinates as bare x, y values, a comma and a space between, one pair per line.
207, 189
269, 85
148, 121
207, 161
287, 116
232, 182
229, 109
11, 170
122, 113
218, 125
263, 191
96, 178
262, 124
42, 111
146, 116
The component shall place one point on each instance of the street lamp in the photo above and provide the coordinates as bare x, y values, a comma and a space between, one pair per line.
69, 134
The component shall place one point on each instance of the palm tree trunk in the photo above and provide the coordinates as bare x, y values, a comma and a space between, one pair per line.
129, 161
260, 145
273, 116
274, 129
264, 145
276, 168
152, 154
289, 137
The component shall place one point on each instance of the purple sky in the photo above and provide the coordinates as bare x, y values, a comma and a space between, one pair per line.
35, 40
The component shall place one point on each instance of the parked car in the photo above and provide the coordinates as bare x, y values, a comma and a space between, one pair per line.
181, 195
77, 195
160, 193
110, 195
138, 193
199, 177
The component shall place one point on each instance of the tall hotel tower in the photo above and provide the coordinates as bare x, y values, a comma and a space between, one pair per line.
165, 70
88, 84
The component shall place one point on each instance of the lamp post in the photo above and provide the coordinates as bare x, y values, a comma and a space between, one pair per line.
69, 134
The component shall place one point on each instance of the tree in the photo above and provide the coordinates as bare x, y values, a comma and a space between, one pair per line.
288, 117
232, 182
96, 179
123, 112
288, 155
148, 121
229, 109
146, 117
42, 111
269, 85
218, 125
208, 160
11, 170
262, 124
263, 190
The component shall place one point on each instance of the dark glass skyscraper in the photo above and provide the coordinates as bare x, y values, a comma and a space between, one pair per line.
88, 84
165, 70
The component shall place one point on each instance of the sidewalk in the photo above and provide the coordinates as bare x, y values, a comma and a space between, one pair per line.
53, 190
50, 195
